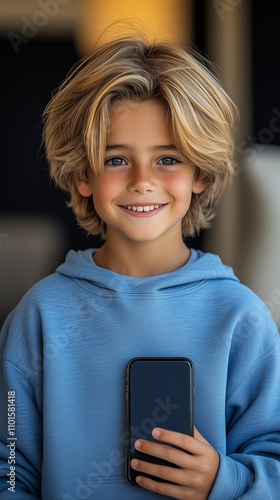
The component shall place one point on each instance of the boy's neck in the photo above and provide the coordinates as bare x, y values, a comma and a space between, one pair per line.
142, 259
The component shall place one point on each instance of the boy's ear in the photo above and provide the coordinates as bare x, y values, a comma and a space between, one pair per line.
199, 183
83, 187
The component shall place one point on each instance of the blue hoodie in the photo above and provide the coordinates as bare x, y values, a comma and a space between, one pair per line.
64, 351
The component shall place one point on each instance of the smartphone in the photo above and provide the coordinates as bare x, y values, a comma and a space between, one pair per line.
159, 393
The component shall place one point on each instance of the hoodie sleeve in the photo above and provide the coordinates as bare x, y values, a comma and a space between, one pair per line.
20, 412
251, 468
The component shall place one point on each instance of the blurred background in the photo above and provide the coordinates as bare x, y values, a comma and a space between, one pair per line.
41, 40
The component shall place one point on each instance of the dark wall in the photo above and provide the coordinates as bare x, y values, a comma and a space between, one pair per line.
28, 79
266, 71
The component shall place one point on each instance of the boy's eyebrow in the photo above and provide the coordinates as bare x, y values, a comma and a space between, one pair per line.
155, 148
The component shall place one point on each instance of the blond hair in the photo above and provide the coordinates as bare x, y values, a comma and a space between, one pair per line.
77, 119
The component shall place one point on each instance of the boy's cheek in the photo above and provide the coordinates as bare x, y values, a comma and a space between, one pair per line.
106, 189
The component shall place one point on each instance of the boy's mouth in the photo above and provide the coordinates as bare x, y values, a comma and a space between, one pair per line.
142, 208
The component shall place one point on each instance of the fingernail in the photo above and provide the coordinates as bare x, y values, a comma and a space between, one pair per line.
134, 464
156, 433
138, 479
138, 444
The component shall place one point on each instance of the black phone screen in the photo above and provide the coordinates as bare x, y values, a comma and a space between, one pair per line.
159, 393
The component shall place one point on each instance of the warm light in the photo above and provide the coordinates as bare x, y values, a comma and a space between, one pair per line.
163, 19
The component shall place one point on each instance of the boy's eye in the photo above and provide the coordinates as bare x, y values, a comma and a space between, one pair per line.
168, 158
117, 161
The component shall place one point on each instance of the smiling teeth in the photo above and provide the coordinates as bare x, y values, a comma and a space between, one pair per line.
142, 209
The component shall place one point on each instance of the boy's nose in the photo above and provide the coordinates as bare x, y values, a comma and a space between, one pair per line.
142, 179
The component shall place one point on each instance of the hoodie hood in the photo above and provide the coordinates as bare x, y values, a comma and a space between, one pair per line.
200, 267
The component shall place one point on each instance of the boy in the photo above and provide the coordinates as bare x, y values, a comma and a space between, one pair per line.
140, 135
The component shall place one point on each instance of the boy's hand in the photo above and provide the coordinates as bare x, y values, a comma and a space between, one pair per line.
197, 469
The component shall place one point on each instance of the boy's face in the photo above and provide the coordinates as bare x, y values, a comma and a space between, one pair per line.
143, 192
